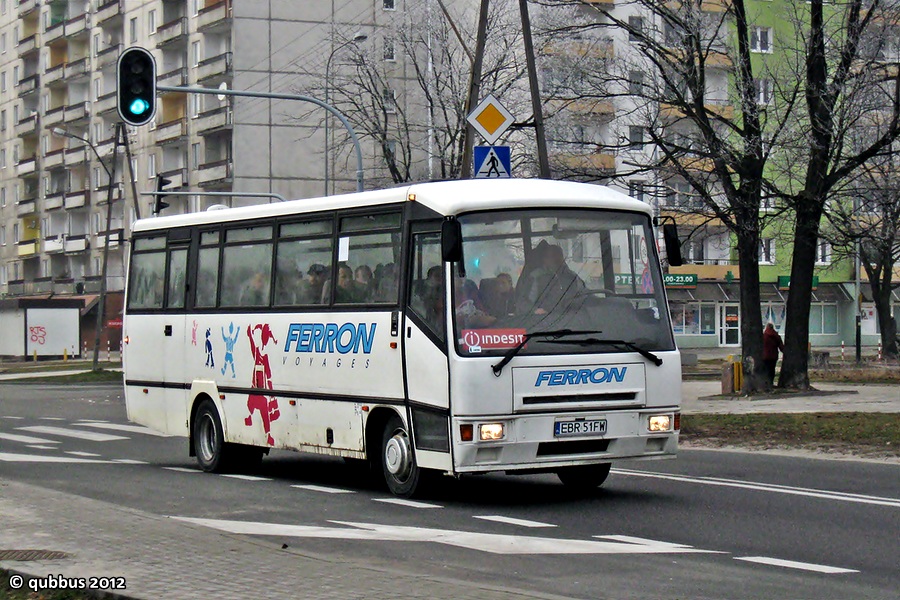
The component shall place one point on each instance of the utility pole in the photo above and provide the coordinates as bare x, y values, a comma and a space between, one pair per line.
474, 89
101, 302
543, 161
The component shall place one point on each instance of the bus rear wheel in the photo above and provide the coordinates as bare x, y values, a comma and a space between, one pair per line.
584, 477
401, 473
209, 442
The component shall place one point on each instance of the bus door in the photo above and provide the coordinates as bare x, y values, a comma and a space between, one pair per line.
173, 336
425, 349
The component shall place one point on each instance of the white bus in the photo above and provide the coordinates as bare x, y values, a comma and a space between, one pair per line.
461, 327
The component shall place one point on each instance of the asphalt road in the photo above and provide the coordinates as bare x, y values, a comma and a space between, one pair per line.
710, 524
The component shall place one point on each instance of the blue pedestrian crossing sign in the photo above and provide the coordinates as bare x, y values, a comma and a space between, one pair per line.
492, 162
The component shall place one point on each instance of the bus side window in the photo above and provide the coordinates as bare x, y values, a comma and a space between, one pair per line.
148, 281
427, 293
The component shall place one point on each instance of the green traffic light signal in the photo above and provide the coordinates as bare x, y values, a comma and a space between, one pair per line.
136, 86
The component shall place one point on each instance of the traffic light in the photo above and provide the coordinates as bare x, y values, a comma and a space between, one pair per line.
159, 205
136, 86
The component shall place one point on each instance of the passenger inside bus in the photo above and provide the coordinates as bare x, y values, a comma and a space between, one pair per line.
314, 286
256, 293
365, 282
552, 285
469, 310
346, 290
498, 295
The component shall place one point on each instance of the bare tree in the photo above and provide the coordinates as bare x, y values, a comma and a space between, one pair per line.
790, 135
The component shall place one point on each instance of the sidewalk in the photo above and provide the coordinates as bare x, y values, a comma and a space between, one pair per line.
161, 558
704, 397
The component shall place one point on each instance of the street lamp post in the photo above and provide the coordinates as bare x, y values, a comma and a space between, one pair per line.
110, 173
359, 37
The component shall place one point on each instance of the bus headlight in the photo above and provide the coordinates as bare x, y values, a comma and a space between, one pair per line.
490, 431
660, 423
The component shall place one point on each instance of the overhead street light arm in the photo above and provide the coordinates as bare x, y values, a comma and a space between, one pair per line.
275, 96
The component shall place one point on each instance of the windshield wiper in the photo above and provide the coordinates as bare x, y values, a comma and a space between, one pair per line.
591, 341
554, 334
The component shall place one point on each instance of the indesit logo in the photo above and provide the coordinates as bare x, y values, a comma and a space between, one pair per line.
581, 376
330, 337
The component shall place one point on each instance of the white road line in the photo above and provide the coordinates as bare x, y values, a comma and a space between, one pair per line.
246, 477
79, 453
790, 564
182, 470
511, 521
320, 488
10, 457
92, 421
766, 487
9, 417
637, 540
409, 503
51, 418
129, 461
38, 447
122, 427
74, 433
26, 439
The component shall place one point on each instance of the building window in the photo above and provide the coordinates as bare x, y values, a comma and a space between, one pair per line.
823, 318
151, 166
2, 120
3, 158
636, 83
195, 105
151, 22
3, 43
636, 136
694, 318
823, 253
195, 53
96, 44
635, 28
761, 39
389, 49
195, 7
3, 235
2, 197
767, 251
390, 100
195, 155
3, 81
763, 91
389, 5
636, 189
132, 30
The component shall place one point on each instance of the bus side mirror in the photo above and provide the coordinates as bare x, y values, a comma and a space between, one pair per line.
673, 244
451, 241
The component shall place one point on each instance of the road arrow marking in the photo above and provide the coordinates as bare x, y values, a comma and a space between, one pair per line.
790, 564
511, 521
11, 457
73, 433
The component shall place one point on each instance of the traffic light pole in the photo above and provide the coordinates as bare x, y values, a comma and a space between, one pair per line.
101, 302
297, 97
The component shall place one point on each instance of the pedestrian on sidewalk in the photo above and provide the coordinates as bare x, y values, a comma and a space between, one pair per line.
771, 345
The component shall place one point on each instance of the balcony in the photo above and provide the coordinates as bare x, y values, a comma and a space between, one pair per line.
54, 74
178, 177
78, 26
109, 10
27, 126
105, 104
77, 199
27, 7
53, 159
174, 77
172, 33
26, 207
28, 85
76, 155
215, 18
54, 32
215, 120
27, 247
77, 69
54, 116
105, 147
78, 113
76, 243
108, 56
215, 68
116, 236
215, 173
26, 166
54, 200
602, 162
172, 131
27, 45
54, 244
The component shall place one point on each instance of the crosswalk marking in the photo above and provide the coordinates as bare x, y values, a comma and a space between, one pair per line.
512, 521
320, 488
790, 564
39, 447
246, 477
122, 427
73, 433
409, 503
182, 470
51, 418
11, 417
26, 439
129, 461
79, 453
12, 457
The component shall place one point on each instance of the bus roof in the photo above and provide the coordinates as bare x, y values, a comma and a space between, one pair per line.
444, 197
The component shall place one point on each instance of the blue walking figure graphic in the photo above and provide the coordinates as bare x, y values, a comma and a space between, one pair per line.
230, 341
210, 361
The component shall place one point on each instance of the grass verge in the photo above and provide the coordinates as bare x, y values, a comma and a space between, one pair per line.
8, 593
101, 376
864, 434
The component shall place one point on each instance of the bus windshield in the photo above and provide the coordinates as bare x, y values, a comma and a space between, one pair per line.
533, 271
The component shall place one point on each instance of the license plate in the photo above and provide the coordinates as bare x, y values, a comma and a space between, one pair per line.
580, 427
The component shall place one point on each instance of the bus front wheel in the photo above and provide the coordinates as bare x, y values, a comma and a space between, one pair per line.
401, 473
584, 477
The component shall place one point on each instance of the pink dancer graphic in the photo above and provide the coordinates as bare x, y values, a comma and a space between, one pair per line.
262, 380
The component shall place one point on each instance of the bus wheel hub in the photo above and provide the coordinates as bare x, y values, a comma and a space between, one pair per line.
397, 455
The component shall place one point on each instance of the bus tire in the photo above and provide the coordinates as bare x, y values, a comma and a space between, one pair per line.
584, 477
213, 454
401, 473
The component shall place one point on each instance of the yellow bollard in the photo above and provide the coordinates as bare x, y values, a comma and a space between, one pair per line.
738, 376
35, 355
65, 355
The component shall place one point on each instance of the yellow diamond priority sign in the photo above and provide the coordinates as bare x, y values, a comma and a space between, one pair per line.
490, 119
